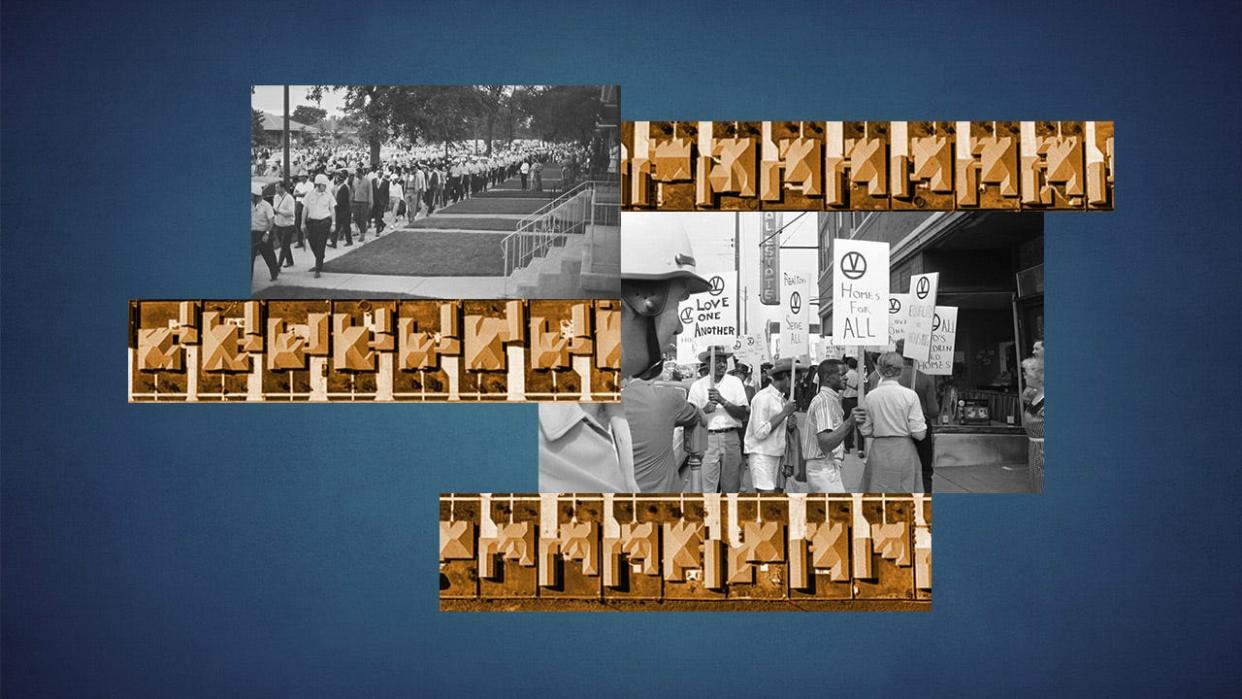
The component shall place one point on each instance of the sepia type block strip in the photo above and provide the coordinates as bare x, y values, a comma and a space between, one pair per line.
867, 165
623, 552
374, 351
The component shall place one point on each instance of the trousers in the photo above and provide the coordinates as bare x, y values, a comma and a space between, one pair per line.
722, 463
260, 247
317, 236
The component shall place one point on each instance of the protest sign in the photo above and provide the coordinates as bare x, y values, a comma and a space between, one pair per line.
796, 305
709, 318
750, 350
859, 293
920, 309
943, 337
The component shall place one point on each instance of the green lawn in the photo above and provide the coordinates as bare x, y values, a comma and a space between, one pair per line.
425, 253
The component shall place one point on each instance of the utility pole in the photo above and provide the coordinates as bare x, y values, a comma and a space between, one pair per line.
737, 261
286, 160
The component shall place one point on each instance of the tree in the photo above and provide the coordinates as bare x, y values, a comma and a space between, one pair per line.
565, 112
306, 114
257, 135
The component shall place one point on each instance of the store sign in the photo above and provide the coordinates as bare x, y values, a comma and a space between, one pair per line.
943, 339
770, 260
859, 293
920, 310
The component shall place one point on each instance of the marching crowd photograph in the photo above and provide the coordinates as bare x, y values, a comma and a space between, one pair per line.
434, 191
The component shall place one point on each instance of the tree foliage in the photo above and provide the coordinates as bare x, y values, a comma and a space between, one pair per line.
256, 127
447, 113
306, 114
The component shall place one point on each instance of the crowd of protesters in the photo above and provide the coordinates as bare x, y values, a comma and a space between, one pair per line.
407, 183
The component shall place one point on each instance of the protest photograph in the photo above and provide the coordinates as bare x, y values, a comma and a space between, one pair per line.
434, 191
893, 352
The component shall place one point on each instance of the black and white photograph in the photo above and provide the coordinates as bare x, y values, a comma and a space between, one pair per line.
435, 191
818, 352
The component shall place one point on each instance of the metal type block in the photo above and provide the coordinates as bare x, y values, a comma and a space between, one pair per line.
456, 540
867, 165
799, 570
683, 544
765, 541
766, 552
641, 541
374, 351
579, 541
830, 548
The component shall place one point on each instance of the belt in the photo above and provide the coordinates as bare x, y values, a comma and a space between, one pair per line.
730, 429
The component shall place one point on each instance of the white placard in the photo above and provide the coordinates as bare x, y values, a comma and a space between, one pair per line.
709, 318
897, 319
751, 350
920, 308
796, 306
859, 293
943, 337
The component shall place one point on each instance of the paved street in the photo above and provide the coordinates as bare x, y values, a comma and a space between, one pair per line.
455, 253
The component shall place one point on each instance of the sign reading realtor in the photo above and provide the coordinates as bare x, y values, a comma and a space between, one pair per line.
796, 303
920, 309
859, 293
709, 318
943, 338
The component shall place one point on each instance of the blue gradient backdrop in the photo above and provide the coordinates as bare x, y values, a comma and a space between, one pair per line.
290, 550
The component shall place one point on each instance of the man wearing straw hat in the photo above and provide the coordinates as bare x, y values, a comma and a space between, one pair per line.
722, 398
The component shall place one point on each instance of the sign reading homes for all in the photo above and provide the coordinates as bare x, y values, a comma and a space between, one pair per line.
859, 293
943, 338
709, 318
796, 304
920, 311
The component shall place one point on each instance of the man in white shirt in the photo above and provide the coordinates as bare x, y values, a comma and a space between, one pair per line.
765, 431
722, 398
300, 190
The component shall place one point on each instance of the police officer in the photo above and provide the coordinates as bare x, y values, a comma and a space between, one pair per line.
585, 447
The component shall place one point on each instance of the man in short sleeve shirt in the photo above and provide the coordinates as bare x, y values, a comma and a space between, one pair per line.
722, 398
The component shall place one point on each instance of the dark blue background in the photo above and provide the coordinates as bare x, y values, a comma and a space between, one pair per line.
261, 550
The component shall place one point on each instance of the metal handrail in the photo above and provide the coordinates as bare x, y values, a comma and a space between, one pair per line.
569, 214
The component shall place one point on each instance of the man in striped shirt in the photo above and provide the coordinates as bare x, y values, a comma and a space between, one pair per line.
826, 429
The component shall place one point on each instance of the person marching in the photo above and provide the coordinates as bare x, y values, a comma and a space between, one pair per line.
300, 190
262, 220
286, 211
343, 197
765, 430
722, 398
893, 418
360, 203
827, 428
318, 207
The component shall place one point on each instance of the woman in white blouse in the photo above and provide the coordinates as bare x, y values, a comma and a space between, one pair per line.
894, 420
